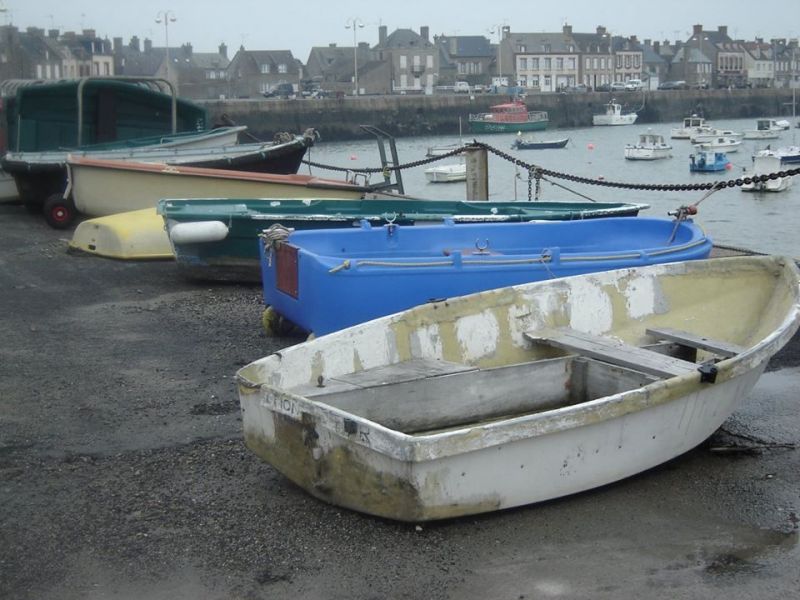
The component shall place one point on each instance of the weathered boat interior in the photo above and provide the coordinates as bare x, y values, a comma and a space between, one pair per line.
424, 396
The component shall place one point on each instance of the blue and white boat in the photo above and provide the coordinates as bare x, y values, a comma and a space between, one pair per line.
708, 161
325, 280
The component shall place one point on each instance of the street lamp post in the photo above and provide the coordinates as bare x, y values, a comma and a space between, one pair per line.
498, 29
354, 23
167, 16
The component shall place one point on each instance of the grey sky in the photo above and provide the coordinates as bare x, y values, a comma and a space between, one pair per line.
299, 25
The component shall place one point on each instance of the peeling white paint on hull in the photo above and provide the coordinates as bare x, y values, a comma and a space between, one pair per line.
459, 407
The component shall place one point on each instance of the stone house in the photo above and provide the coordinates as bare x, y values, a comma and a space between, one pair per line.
597, 57
251, 73
544, 61
759, 64
465, 58
413, 60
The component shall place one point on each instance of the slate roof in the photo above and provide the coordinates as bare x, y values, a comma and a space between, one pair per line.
536, 42
404, 38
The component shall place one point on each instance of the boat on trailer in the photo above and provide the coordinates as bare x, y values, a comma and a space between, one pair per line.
307, 272
522, 394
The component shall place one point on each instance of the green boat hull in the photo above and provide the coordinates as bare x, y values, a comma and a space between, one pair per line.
236, 256
489, 127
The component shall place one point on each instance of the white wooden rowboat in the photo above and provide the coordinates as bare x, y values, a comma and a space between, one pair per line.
521, 394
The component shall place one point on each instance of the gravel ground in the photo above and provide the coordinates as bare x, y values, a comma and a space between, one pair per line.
123, 473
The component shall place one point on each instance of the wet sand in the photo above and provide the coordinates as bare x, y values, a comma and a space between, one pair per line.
123, 473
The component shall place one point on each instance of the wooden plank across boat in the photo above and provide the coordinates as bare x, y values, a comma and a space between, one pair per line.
521, 394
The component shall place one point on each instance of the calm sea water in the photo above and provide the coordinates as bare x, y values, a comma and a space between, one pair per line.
758, 221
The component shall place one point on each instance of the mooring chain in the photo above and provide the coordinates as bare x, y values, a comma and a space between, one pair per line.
537, 172
662, 187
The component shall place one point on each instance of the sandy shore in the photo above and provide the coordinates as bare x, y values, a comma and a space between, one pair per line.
123, 474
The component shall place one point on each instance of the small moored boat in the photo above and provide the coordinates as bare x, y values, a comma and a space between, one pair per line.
692, 125
720, 144
530, 143
311, 270
766, 162
614, 115
508, 117
708, 161
651, 146
766, 129
521, 394
450, 173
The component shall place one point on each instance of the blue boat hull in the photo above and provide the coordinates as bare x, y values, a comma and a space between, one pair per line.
326, 280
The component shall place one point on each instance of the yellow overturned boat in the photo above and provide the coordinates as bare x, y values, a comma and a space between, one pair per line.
133, 235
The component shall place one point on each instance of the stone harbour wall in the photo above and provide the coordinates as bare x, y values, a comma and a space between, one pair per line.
400, 116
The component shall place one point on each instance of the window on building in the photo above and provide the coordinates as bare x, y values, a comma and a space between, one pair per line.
429, 61
535, 81
571, 63
619, 61
627, 61
588, 63
282, 68
106, 69
521, 48
523, 64
636, 61
548, 64
403, 62
547, 47
265, 69
534, 64
417, 61
547, 82
523, 81
560, 63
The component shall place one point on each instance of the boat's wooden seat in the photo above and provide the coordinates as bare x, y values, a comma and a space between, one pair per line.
691, 340
403, 372
612, 351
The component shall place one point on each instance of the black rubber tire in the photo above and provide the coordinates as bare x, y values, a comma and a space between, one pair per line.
59, 212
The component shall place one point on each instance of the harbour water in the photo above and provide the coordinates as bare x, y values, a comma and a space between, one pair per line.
763, 222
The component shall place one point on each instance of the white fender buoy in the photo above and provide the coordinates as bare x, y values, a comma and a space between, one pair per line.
198, 232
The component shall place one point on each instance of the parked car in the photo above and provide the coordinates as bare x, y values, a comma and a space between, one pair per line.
673, 85
580, 88
633, 85
618, 86
282, 90
461, 87
603, 87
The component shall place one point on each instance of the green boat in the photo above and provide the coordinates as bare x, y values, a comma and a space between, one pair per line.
510, 117
217, 239
88, 113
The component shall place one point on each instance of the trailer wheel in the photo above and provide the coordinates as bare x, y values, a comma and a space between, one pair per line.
59, 212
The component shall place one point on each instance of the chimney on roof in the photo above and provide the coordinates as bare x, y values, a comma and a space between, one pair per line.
332, 45
89, 33
601, 30
424, 33
134, 44
657, 47
148, 45
634, 39
506, 31
117, 44
186, 50
723, 30
697, 30
382, 35
223, 50
52, 34
567, 29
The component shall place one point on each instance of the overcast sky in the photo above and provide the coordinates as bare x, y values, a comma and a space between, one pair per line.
300, 24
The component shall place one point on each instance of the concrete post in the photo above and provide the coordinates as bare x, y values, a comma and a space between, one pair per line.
477, 173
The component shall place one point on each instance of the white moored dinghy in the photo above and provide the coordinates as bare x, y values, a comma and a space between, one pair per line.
520, 394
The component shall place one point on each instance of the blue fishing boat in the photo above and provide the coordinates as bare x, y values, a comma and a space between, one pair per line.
326, 280
708, 161
216, 238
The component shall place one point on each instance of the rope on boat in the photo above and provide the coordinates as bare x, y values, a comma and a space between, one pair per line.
273, 236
